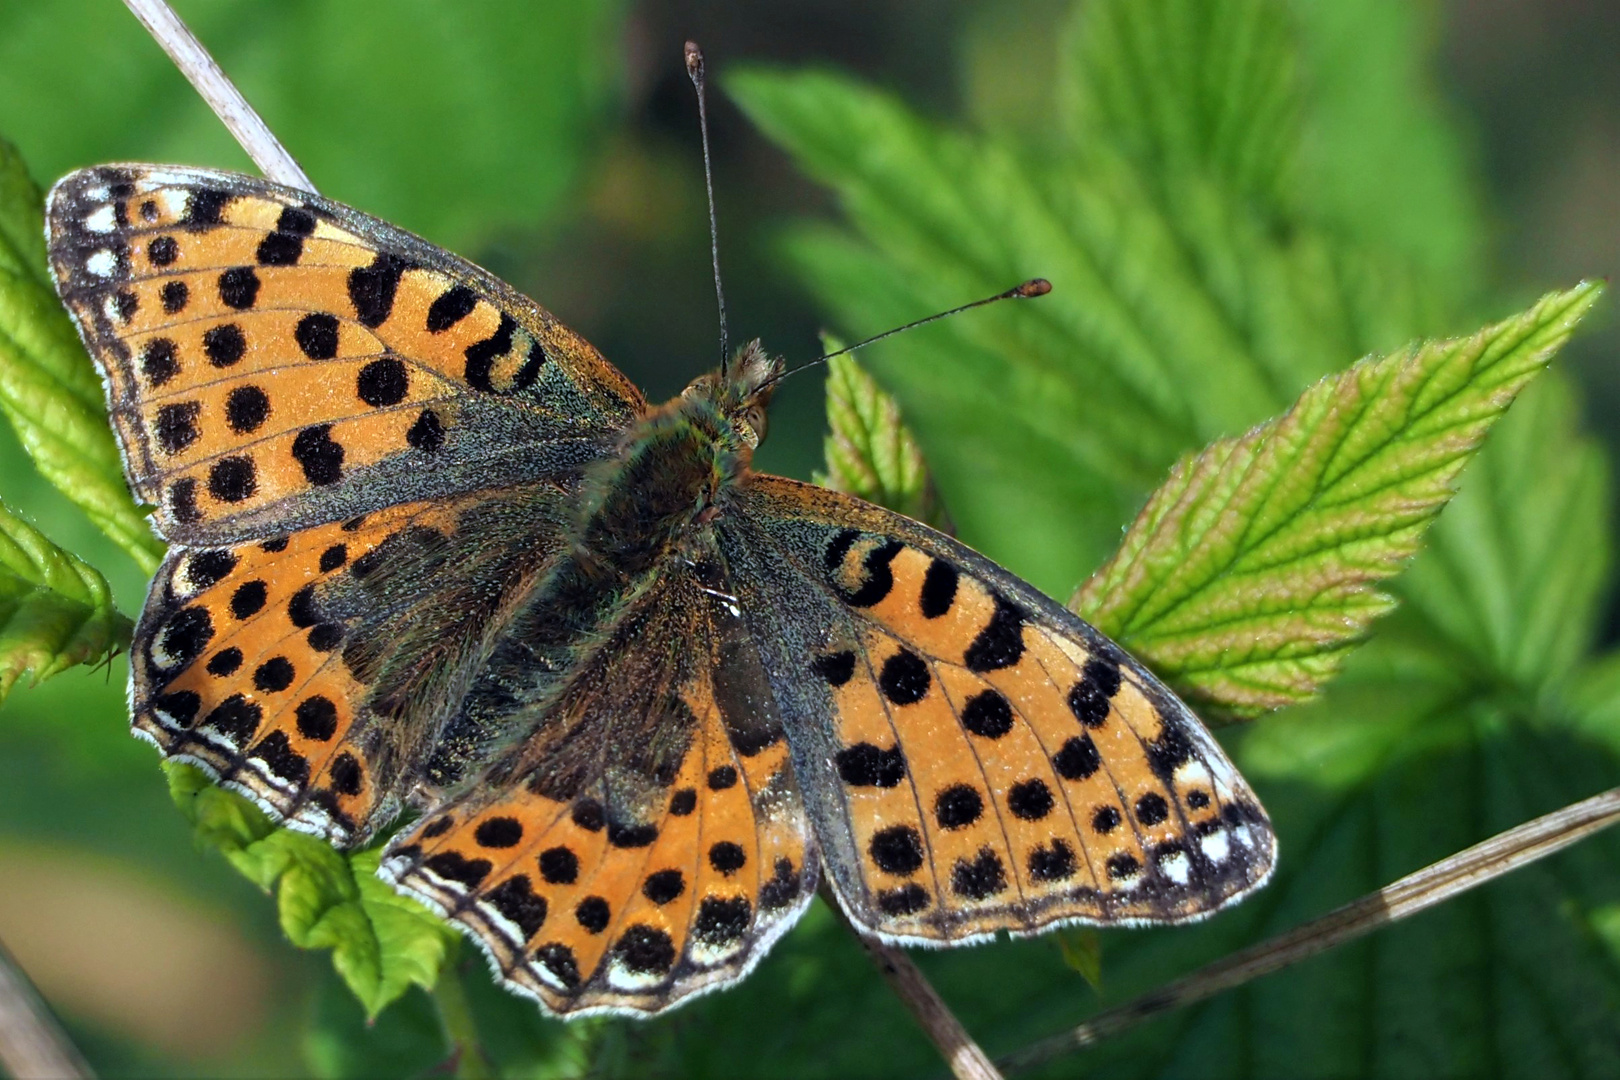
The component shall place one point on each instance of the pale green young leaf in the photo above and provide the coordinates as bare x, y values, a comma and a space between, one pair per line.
869, 450
382, 943
1254, 568
48, 387
55, 610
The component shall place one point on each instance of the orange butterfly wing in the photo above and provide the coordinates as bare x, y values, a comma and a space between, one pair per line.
975, 757
300, 388
647, 842
275, 359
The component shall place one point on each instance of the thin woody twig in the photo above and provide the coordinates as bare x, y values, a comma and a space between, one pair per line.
1434, 884
219, 92
31, 1043
966, 1058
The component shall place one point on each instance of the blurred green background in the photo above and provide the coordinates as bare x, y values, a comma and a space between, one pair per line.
556, 143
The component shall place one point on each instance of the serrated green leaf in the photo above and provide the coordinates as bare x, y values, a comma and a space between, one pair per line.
55, 611
1179, 313
382, 943
869, 450
1190, 86
1253, 569
1512, 580
48, 387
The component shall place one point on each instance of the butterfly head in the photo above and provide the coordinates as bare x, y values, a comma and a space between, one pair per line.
741, 393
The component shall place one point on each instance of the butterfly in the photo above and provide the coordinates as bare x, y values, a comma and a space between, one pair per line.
431, 554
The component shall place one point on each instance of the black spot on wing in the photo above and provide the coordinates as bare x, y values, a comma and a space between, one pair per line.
1001, 643
450, 307
481, 355
372, 288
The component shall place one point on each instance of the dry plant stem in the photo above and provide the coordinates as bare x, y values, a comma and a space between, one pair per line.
1417, 892
967, 1059
219, 92
31, 1043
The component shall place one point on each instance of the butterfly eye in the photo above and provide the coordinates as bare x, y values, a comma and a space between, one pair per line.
753, 425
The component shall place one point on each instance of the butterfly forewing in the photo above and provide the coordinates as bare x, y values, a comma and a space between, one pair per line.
647, 842
975, 757
275, 359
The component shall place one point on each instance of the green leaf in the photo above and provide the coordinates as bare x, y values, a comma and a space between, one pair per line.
448, 121
1179, 312
1081, 947
382, 943
48, 387
55, 611
1190, 87
1512, 581
1253, 569
870, 452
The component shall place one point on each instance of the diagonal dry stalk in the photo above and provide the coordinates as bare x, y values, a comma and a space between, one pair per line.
212, 84
31, 1043
1434, 884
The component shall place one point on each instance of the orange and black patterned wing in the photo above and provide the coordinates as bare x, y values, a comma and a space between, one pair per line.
646, 841
314, 671
276, 360
975, 757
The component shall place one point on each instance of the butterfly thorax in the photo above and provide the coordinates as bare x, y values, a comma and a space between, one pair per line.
675, 467
644, 514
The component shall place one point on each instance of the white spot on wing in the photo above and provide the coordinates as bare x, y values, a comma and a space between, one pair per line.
1216, 846
101, 220
705, 953
1176, 867
506, 926
102, 263
620, 977
174, 201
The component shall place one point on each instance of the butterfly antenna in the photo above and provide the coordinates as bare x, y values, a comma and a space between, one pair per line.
694, 69
1031, 288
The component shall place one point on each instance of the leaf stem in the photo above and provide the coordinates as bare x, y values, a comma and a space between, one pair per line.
456, 1018
1434, 884
212, 84
966, 1058
31, 1042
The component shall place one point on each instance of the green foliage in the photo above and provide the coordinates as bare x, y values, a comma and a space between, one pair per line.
55, 611
1252, 571
382, 943
870, 452
1212, 257
1211, 197
48, 388
502, 98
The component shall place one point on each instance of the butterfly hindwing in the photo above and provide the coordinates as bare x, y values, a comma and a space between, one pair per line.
274, 359
310, 671
646, 841
975, 757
